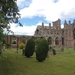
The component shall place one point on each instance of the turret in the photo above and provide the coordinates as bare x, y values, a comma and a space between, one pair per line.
59, 22
49, 25
69, 22
42, 24
65, 23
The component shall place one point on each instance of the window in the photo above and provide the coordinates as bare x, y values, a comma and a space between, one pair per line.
37, 31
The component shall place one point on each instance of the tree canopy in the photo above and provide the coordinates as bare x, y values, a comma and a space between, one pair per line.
9, 13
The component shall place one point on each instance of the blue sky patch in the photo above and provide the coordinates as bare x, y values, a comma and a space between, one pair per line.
49, 10
33, 21
55, 1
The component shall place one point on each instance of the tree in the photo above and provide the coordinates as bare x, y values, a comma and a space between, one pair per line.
8, 14
42, 50
30, 47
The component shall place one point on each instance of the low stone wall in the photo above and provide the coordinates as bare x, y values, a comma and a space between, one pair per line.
14, 45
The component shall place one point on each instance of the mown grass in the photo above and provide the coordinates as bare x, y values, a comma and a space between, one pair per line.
16, 64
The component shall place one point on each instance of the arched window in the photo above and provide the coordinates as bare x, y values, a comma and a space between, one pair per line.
37, 31
56, 41
50, 40
13, 40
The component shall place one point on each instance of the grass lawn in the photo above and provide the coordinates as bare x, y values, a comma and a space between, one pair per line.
15, 64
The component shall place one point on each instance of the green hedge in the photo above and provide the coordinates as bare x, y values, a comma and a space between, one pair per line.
30, 47
42, 50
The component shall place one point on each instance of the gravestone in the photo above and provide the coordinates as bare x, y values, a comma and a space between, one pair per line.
54, 51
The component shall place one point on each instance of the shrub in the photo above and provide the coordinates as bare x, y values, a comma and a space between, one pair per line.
50, 48
14, 42
42, 50
8, 45
37, 41
21, 46
30, 47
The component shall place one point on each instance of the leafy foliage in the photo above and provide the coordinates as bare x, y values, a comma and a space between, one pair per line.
8, 45
0, 52
23, 41
14, 42
8, 14
42, 50
30, 47
37, 41
21, 46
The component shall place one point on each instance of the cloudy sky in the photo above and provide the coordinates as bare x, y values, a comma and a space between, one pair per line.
34, 12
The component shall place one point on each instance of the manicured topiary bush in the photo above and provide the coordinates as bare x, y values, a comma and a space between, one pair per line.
30, 47
42, 50
37, 41
21, 46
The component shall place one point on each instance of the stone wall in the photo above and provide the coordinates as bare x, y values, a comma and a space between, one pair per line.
56, 31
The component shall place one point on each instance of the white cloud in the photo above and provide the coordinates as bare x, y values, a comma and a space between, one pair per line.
25, 30
49, 9
62, 26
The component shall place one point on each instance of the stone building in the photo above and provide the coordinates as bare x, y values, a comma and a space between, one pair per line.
18, 39
55, 35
